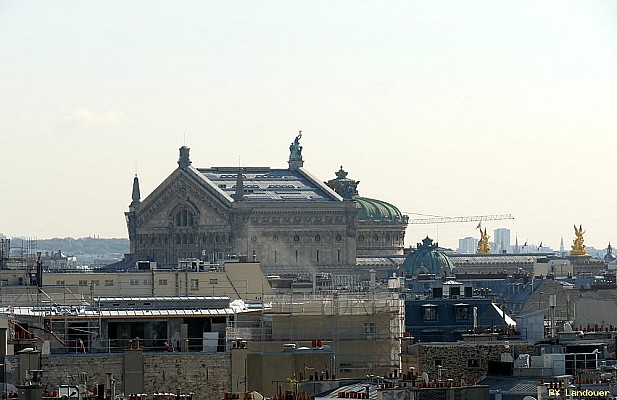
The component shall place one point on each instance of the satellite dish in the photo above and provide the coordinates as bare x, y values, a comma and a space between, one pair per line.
425, 377
529, 398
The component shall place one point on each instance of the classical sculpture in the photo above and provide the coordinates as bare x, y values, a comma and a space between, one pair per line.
295, 149
578, 248
483, 246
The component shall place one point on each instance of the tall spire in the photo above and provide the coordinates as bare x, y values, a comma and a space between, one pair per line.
136, 196
239, 194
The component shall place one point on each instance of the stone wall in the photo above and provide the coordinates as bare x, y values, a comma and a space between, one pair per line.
64, 369
459, 361
207, 375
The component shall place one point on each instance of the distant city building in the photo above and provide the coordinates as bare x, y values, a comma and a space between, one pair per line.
467, 245
501, 238
59, 261
609, 256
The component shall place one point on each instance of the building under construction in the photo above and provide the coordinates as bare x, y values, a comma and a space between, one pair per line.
363, 329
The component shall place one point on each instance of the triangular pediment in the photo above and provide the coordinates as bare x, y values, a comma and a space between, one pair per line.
184, 188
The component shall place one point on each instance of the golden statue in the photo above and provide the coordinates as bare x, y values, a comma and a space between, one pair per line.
578, 248
483, 246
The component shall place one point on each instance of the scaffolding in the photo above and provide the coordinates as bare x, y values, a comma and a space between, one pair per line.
18, 253
363, 329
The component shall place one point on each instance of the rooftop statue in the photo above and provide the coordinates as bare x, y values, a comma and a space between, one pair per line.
578, 248
295, 149
483, 246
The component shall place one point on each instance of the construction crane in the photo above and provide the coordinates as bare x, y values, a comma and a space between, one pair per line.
442, 220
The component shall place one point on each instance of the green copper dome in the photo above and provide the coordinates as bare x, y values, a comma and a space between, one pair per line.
376, 210
370, 209
428, 259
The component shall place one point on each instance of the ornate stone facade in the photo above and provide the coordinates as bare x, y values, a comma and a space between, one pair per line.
284, 218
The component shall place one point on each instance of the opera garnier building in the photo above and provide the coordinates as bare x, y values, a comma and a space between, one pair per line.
285, 218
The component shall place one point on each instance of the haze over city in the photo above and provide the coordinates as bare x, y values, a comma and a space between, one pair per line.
441, 108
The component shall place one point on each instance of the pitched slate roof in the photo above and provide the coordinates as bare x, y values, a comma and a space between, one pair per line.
265, 184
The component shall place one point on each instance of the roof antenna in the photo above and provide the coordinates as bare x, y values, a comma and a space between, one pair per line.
184, 144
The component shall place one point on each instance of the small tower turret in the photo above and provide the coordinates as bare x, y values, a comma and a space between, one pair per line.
184, 160
239, 194
346, 188
131, 215
609, 256
136, 196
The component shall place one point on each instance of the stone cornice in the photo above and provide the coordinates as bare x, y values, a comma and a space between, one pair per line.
304, 218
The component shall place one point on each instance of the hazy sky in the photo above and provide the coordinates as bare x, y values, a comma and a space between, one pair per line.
439, 107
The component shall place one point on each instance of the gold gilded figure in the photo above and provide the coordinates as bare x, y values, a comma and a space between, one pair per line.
483, 246
578, 248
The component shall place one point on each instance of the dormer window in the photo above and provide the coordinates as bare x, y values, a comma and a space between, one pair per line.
184, 218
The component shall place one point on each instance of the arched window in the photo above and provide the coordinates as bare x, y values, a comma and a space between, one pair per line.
184, 218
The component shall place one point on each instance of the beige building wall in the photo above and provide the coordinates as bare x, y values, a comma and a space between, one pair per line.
553, 267
270, 373
237, 280
591, 311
